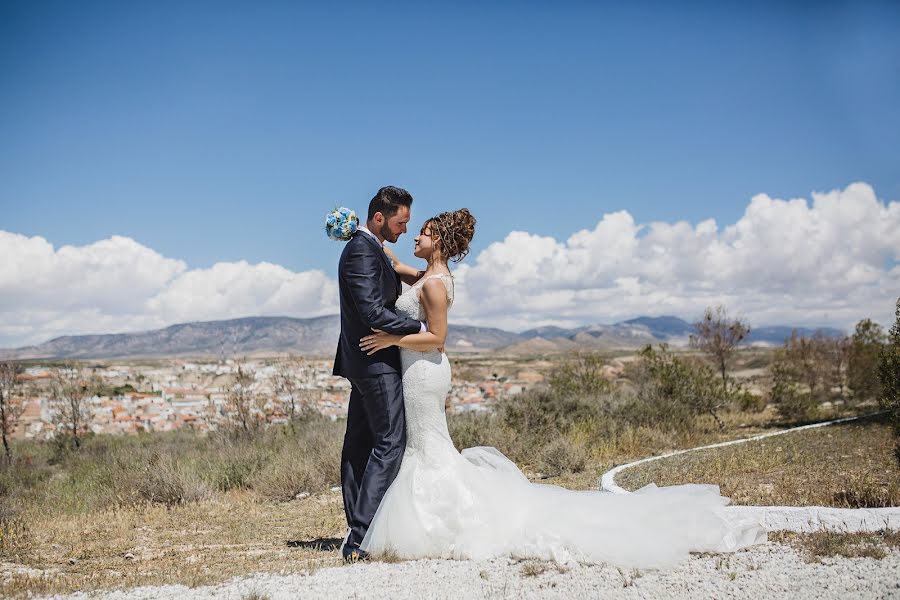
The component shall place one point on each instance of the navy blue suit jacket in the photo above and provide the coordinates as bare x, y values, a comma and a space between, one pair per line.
369, 287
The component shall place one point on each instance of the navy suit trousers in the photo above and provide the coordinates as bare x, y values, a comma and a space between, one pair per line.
373, 448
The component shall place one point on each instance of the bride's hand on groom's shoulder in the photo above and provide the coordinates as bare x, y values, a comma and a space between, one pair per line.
377, 341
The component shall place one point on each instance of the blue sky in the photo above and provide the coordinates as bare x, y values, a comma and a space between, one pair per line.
221, 131
181, 147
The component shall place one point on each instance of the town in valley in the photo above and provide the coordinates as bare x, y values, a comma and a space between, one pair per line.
132, 396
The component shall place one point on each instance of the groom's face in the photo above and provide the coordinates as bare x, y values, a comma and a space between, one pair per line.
395, 225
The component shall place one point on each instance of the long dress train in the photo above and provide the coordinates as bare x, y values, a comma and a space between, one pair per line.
477, 504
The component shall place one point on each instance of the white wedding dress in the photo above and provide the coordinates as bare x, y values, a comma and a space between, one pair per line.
477, 504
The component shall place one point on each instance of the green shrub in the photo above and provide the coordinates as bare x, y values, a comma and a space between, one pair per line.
745, 401
543, 413
796, 402
672, 391
581, 376
657, 411
865, 347
796, 406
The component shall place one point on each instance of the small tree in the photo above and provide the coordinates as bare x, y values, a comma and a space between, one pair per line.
581, 376
69, 396
243, 403
12, 403
718, 336
678, 388
794, 401
800, 377
806, 371
832, 355
862, 365
802, 362
889, 373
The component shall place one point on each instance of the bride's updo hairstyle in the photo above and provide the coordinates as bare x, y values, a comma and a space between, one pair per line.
453, 231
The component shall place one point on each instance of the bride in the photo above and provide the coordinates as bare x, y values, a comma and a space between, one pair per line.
476, 503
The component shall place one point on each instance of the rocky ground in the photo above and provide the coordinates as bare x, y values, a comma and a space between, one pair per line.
772, 570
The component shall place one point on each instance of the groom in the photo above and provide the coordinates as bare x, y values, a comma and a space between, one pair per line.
376, 424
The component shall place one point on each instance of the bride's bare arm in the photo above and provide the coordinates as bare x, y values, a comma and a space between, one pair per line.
433, 298
408, 274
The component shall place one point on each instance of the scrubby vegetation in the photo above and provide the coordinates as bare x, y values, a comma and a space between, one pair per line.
664, 400
583, 418
173, 468
249, 488
809, 372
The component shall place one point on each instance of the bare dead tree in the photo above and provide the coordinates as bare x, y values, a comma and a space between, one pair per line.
288, 388
287, 382
69, 396
12, 402
718, 336
243, 404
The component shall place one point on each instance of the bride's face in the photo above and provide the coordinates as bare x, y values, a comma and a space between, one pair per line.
424, 244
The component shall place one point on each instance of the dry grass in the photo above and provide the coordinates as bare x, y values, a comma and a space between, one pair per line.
632, 443
847, 466
175, 508
388, 556
824, 544
192, 544
533, 569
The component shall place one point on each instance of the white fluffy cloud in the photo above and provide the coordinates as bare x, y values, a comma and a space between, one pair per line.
830, 261
120, 285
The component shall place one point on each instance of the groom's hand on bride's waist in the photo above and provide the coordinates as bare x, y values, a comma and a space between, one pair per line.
379, 340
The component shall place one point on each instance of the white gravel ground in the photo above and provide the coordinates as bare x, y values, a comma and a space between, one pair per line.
766, 571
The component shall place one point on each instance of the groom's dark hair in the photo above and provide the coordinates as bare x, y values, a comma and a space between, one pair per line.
388, 201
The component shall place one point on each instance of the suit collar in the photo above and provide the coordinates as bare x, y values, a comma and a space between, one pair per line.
374, 242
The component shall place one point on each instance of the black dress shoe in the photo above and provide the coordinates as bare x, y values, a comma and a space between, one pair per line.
353, 555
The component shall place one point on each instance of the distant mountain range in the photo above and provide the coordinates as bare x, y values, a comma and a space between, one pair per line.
635, 333
259, 335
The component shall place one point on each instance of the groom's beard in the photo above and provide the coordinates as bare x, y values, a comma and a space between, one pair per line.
387, 234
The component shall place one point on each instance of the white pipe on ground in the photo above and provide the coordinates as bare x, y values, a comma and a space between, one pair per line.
784, 518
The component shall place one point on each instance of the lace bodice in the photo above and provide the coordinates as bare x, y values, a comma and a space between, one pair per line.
408, 303
426, 380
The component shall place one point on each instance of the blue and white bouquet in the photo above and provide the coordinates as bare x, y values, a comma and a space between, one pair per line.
341, 224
